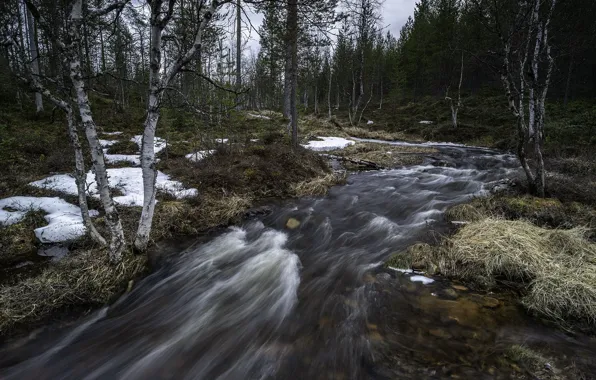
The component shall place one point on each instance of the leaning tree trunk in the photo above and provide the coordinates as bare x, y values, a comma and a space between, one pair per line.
80, 173
112, 218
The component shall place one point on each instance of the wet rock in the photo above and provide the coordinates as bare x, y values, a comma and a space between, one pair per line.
292, 223
56, 252
384, 276
449, 294
459, 287
486, 301
258, 211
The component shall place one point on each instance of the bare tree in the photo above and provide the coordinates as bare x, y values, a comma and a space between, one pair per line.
159, 81
526, 69
456, 105
72, 51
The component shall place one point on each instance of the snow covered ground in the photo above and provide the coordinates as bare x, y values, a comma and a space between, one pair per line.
129, 181
255, 116
198, 156
328, 143
64, 219
158, 143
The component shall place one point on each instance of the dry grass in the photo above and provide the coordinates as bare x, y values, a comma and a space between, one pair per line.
556, 268
84, 278
377, 134
386, 155
18, 240
543, 212
319, 185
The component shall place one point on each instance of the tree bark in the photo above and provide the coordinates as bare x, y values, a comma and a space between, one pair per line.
34, 55
292, 25
117, 241
156, 89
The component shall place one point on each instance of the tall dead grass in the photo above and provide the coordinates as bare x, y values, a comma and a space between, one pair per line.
556, 268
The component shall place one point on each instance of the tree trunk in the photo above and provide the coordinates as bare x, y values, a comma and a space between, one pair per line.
292, 26
34, 55
329, 91
101, 175
287, 108
80, 173
148, 145
238, 46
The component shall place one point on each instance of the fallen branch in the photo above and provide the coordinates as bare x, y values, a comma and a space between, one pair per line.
369, 164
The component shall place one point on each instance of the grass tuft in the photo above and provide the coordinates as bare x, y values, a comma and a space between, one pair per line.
556, 268
319, 185
84, 278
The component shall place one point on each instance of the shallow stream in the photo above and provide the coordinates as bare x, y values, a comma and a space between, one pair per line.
309, 299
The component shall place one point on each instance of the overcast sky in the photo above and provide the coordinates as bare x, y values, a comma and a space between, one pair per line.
394, 13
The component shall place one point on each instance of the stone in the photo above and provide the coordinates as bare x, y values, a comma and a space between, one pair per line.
292, 223
449, 294
491, 302
459, 287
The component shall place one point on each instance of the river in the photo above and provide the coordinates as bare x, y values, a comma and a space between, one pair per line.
265, 301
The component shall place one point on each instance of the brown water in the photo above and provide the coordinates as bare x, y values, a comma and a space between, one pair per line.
264, 301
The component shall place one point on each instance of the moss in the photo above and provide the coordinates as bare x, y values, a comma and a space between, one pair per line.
534, 362
18, 241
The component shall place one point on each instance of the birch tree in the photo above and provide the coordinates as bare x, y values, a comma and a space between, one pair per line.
527, 65
455, 105
161, 15
72, 50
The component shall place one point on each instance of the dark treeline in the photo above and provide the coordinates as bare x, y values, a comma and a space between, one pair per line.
360, 61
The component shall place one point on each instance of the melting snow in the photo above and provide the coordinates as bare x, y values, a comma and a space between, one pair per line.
111, 133
422, 279
107, 143
425, 122
134, 159
64, 219
328, 143
128, 180
259, 116
221, 141
159, 143
401, 270
198, 156
370, 122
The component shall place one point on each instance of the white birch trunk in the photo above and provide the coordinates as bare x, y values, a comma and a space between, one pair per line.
80, 172
156, 89
112, 218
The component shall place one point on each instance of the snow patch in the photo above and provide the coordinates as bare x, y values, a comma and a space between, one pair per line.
425, 122
401, 270
133, 159
423, 279
128, 180
198, 156
111, 133
159, 144
328, 143
64, 219
255, 116
221, 141
107, 143
370, 122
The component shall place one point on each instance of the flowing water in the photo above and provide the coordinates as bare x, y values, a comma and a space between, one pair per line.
265, 301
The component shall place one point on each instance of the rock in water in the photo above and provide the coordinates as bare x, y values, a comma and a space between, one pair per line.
292, 223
